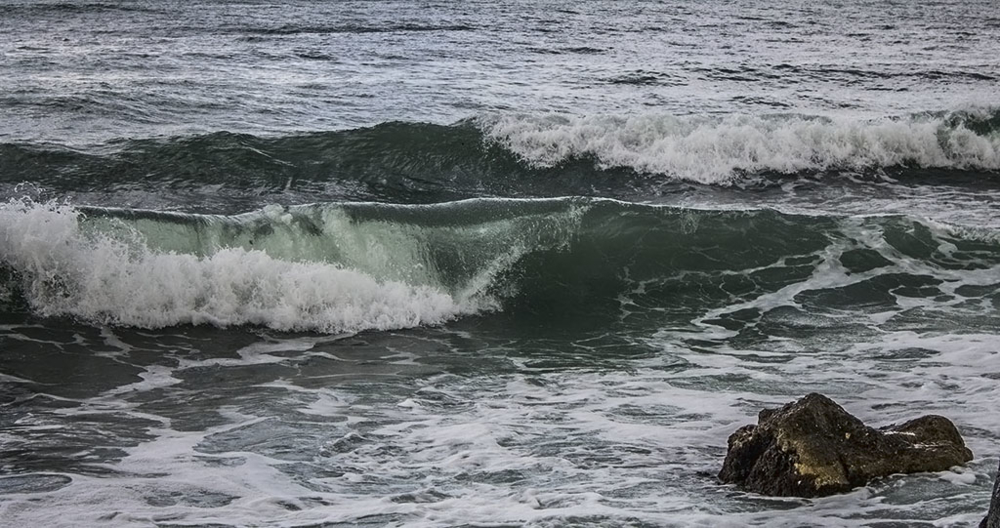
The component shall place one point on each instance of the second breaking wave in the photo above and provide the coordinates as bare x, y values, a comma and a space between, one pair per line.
519, 156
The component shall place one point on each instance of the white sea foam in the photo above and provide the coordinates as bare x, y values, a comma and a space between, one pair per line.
119, 280
530, 447
717, 150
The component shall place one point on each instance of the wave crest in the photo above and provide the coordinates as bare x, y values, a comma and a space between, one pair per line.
115, 274
719, 150
347, 267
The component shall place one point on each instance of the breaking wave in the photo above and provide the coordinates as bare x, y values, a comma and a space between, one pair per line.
519, 156
350, 267
719, 150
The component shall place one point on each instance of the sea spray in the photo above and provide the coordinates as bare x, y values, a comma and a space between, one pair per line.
326, 267
114, 280
515, 156
348, 267
718, 150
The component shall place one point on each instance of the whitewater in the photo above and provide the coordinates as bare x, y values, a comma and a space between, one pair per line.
508, 263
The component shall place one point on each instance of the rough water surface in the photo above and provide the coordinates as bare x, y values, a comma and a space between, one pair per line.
413, 263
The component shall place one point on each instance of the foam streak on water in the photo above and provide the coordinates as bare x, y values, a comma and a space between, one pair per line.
522, 445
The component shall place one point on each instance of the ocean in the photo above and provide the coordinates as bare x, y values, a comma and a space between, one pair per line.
429, 263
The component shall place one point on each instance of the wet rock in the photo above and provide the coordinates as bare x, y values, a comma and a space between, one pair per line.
992, 519
813, 447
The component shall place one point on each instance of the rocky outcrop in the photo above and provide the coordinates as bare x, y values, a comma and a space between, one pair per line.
992, 519
813, 447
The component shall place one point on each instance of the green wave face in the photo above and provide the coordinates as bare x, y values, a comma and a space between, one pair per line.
349, 267
517, 156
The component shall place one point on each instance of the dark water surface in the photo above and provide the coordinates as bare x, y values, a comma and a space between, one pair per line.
487, 263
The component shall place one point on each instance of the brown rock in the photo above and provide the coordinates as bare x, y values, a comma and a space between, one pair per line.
813, 447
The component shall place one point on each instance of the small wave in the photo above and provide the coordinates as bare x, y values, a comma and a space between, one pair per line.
567, 50
646, 78
78, 8
824, 72
353, 28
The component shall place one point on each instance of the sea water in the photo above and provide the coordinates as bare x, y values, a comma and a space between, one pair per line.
416, 263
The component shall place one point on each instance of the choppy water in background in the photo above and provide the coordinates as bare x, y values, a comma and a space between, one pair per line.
501, 264
87, 72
